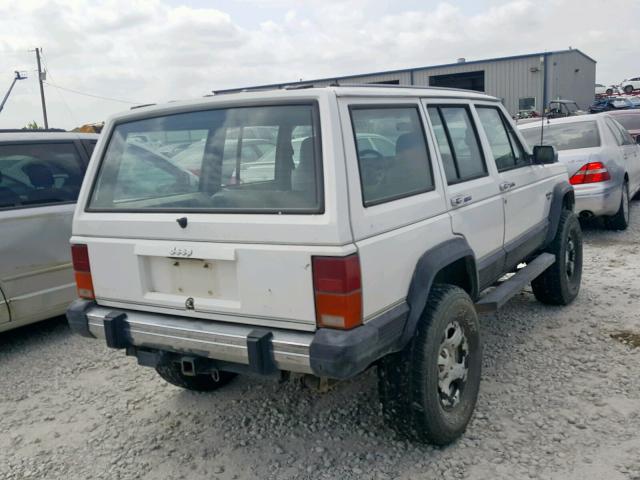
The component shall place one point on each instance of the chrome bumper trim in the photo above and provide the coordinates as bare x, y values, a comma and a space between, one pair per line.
215, 340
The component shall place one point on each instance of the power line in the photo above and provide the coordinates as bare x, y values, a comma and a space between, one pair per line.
92, 95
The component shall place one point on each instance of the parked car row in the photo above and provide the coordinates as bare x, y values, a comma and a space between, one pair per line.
606, 104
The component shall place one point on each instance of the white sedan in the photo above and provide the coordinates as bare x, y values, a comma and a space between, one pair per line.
602, 160
604, 90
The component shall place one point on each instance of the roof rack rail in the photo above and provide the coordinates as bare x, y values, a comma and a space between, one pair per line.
416, 87
341, 85
31, 130
142, 106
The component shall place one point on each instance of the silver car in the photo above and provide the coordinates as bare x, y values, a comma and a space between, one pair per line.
40, 177
602, 159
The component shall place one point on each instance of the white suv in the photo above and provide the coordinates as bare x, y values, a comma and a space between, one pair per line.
337, 256
629, 85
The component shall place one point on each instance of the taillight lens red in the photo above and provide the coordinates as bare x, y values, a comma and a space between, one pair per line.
592, 172
82, 271
337, 291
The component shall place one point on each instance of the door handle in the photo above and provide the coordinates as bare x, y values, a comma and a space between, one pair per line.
504, 186
461, 200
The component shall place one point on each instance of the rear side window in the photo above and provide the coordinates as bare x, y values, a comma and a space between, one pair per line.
565, 136
624, 135
39, 174
458, 143
234, 160
630, 122
392, 153
505, 146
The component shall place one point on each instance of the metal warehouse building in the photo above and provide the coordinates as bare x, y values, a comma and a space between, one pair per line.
523, 82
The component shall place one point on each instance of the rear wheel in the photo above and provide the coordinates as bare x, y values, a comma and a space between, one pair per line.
172, 373
609, 91
628, 89
560, 283
429, 391
620, 221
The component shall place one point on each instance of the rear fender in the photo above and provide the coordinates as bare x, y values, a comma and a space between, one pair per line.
427, 268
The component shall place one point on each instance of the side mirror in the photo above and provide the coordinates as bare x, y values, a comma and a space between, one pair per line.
544, 154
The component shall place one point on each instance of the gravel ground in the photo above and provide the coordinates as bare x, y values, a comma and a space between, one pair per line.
560, 399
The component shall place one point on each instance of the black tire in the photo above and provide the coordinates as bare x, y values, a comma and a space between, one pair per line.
408, 381
560, 283
620, 221
609, 91
628, 89
172, 373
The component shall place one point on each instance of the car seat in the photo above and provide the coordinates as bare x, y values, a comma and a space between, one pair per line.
41, 178
8, 198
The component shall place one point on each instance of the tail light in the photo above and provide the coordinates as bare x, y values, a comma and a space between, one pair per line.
338, 292
592, 172
82, 271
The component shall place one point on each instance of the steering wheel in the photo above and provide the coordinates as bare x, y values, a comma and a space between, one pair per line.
372, 166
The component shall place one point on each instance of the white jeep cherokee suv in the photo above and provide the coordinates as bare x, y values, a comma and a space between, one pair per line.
325, 256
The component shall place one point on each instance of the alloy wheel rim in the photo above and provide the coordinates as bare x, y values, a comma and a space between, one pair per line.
570, 257
453, 366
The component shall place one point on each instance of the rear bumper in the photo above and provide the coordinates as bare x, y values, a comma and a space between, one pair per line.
598, 199
327, 353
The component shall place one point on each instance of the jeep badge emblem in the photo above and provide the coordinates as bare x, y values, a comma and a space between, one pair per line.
180, 252
188, 304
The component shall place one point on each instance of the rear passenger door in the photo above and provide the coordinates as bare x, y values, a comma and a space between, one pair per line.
38, 189
473, 196
629, 152
396, 196
526, 189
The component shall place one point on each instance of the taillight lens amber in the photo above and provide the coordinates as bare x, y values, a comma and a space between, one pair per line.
82, 271
338, 292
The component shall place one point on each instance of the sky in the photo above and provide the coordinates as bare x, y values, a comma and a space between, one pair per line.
153, 51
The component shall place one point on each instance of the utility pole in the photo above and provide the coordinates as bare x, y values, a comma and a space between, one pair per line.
40, 77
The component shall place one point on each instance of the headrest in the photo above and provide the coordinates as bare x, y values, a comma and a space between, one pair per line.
406, 142
39, 174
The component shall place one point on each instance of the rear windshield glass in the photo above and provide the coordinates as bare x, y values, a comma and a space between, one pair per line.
630, 122
566, 136
239, 160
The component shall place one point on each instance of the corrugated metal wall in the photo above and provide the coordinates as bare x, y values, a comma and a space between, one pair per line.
509, 80
571, 76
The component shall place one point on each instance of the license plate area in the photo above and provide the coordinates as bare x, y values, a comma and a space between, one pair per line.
192, 277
